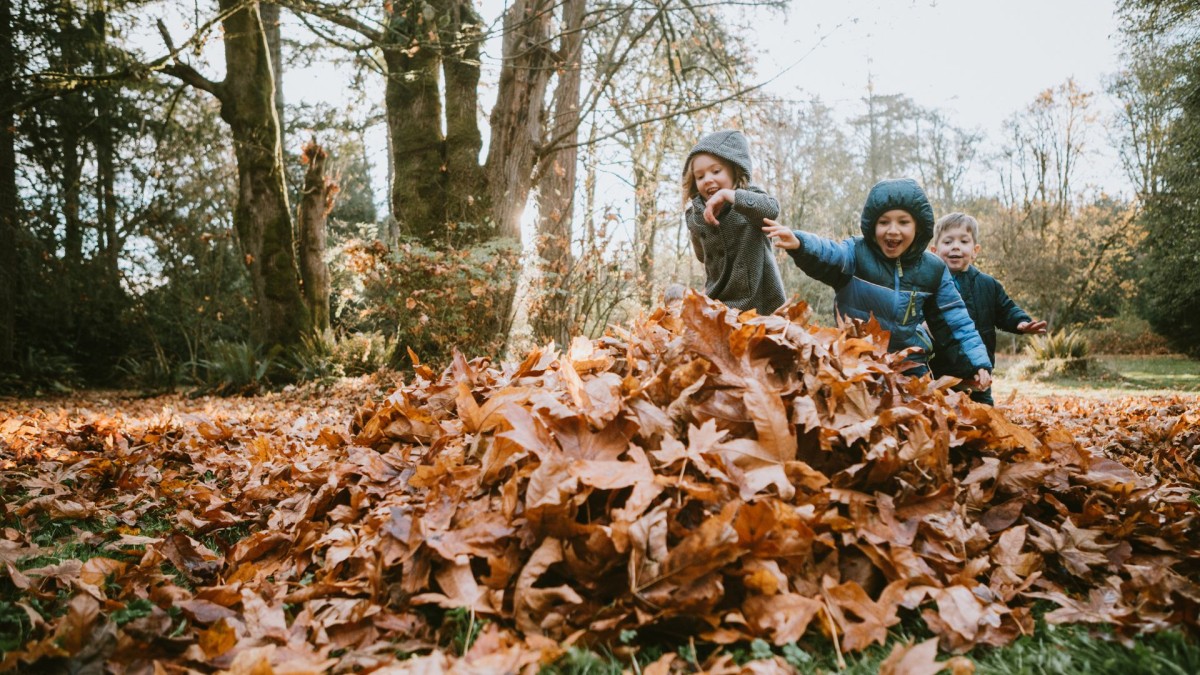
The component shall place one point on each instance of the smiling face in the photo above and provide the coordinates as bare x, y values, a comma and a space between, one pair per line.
894, 232
957, 247
711, 173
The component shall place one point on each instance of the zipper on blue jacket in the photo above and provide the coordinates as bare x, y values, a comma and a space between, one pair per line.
912, 297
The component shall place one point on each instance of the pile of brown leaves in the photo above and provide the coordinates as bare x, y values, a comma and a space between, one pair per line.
702, 476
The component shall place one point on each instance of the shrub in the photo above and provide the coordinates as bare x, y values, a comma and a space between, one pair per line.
237, 367
1059, 354
1061, 344
152, 373
1125, 333
38, 372
432, 301
327, 355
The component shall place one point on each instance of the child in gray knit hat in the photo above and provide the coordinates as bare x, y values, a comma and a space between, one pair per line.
725, 215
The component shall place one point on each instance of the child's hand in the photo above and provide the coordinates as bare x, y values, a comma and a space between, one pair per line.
783, 236
714, 204
982, 381
1032, 327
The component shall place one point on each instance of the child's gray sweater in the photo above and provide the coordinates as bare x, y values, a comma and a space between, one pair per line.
739, 262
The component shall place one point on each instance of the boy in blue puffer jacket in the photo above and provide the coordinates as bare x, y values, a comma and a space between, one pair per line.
888, 273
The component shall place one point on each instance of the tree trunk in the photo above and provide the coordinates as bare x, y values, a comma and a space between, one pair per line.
518, 115
69, 180
466, 185
414, 117
8, 190
70, 118
271, 29
315, 204
103, 140
262, 217
645, 185
556, 185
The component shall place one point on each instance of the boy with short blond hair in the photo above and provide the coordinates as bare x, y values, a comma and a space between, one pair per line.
956, 242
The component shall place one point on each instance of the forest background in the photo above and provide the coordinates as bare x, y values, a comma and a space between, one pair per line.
159, 226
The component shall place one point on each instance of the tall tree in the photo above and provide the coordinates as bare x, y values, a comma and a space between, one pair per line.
262, 216
944, 154
1046, 143
556, 182
1144, 87
9, 203
1169, 291
887, 134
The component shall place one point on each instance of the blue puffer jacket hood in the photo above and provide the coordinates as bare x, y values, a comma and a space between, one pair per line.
899, 193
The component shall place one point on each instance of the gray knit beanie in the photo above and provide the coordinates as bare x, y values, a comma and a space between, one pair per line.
730, 145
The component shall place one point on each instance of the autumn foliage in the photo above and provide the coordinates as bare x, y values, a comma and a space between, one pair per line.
697, 475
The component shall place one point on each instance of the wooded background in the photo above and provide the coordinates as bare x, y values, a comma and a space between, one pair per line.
159, 226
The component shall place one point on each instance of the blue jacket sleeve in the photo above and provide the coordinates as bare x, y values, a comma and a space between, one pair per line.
828, 261
1008, 315
947, 316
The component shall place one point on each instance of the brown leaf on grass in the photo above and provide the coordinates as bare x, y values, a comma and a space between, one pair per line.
862, 621
190, 557
96, 571
960, 611
1077, 548
912, 659
535, 608
780, 618
1103, 605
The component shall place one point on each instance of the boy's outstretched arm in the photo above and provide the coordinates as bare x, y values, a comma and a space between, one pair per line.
949, 313
830, 262
1011, 318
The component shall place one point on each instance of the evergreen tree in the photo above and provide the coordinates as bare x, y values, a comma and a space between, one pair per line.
1170, 286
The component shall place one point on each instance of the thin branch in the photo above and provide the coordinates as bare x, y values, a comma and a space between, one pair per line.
323, 11
184, 72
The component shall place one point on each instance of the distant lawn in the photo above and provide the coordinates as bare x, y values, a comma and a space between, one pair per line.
1116, 375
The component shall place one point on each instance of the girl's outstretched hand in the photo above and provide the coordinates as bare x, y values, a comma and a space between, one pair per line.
983, 380
782, 235
1032, 327
712, 208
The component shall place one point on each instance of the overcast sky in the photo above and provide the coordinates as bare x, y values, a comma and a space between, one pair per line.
978, 60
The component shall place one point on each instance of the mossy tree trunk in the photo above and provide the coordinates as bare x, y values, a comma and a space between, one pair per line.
262, 217
466, 184
414, 112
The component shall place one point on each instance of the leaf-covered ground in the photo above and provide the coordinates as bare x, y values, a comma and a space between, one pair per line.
698, 479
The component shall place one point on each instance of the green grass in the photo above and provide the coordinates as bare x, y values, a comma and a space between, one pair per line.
1051, 650
1117, 375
